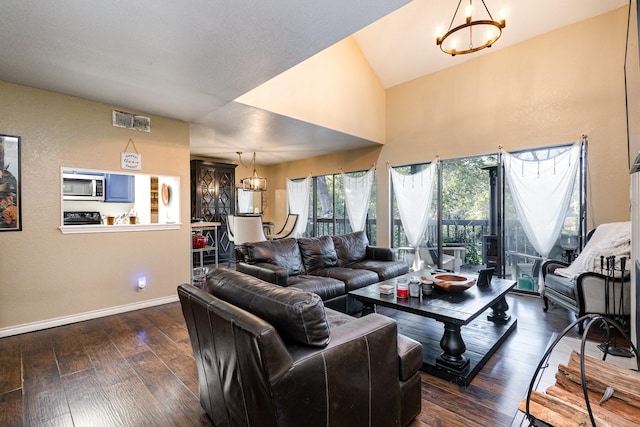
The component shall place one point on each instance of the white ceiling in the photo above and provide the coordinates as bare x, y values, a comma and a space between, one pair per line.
190, 59
402, 45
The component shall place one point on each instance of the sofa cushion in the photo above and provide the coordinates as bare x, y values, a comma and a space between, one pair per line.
350, 248
298, 316
384, 269
352, 278
283, 253
326, 287
318, 252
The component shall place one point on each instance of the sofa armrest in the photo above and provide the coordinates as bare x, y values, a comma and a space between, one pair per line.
240, 252
378, 253
550, 266
409, 357
590, 289
265, 271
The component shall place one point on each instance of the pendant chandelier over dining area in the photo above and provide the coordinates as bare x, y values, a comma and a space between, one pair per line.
253, 182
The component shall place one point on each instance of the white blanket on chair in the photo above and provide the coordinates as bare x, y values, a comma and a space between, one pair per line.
608, 240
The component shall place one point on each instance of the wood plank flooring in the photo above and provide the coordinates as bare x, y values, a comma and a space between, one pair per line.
137, 369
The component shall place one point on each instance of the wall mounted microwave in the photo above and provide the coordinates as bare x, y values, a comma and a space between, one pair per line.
82, 187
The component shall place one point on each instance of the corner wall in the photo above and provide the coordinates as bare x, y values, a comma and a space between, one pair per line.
45, 275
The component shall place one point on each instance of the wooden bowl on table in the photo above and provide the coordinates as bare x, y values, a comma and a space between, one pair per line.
452, 282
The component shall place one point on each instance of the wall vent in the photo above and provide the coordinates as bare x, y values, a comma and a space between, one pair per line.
131, 121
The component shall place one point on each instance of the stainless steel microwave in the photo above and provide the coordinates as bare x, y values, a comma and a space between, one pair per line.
82, 187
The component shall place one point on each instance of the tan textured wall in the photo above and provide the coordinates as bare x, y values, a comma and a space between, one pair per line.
45, 274
544, 91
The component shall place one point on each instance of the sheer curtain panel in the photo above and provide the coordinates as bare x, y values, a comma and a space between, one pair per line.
357, 190
298, 203
541, 191
414, 194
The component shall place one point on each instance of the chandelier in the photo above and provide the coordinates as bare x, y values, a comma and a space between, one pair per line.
254, 182
492, 29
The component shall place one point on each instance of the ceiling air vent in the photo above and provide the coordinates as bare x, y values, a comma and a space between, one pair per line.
130, 121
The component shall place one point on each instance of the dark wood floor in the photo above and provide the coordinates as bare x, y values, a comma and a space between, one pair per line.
137, 369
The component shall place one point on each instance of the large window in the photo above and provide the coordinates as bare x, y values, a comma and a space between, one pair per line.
466, 207
327, 213
522, 262
476, 213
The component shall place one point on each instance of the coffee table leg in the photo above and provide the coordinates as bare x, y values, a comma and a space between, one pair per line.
499, 314
453, 347
368, 308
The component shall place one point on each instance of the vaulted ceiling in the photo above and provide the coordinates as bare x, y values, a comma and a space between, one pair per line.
191, 60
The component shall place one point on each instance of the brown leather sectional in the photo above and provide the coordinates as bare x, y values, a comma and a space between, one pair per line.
273, 356
329, 266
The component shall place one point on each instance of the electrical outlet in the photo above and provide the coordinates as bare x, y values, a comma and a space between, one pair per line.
142, 283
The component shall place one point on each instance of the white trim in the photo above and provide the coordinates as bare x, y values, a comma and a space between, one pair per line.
101, 228
88, 315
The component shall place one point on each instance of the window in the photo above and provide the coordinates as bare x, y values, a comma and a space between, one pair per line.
477, 213
327, 213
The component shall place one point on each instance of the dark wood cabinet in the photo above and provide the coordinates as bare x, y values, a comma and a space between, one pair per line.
212, 199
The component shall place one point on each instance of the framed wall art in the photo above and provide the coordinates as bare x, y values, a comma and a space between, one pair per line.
10, 199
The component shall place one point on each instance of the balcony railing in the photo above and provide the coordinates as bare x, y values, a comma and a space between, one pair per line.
466, 232
332, 226
469, 233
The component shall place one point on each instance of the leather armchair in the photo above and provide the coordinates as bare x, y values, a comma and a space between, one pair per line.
273, 356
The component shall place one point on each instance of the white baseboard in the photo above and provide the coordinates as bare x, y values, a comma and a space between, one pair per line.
65, 320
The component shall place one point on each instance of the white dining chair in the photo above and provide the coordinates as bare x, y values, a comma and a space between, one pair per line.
287, 229
247, 229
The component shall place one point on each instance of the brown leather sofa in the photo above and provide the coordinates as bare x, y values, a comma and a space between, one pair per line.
273, 356
329, 266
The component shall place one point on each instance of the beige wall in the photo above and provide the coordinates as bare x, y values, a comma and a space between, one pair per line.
47, 275
544, 91
338, 70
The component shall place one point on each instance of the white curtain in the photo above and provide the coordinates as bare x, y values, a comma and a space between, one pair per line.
357, 190
298, 203
541, 192
414, 194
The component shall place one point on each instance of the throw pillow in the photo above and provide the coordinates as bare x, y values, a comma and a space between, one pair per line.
351, 248
318, 252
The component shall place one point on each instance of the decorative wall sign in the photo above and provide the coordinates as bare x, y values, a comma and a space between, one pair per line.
131, 160
10, 198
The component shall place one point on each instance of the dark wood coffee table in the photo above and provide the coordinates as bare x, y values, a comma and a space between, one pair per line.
457, 353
